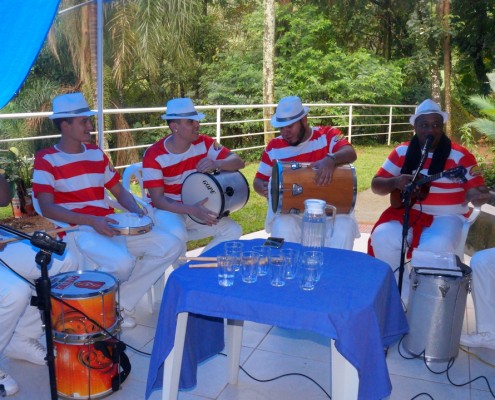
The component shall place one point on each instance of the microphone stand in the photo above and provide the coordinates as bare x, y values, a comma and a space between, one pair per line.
47, 246
406, 198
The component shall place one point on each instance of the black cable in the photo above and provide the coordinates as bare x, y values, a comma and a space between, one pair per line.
108, 333
282, 376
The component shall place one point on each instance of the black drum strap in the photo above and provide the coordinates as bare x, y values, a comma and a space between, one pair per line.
118, 356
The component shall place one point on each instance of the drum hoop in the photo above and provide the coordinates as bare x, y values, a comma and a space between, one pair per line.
84, 338
133, 230
99, 292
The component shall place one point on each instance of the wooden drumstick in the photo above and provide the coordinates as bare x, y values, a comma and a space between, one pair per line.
206, 265
197, 259
58, 230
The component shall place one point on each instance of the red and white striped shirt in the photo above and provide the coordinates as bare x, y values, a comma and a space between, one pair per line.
323, 140
445, 196
162, 168
77, 181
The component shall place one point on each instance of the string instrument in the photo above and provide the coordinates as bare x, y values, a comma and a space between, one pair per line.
423, 186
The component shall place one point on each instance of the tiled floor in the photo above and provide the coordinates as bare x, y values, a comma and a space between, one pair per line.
268, 352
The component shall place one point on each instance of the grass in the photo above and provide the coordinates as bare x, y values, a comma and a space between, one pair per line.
252, 216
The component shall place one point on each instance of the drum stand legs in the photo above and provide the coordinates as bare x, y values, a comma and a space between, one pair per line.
43, 287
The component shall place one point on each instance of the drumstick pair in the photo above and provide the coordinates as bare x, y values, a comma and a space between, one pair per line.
52, 231
204, 265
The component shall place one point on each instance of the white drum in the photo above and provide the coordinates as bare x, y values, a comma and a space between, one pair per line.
226, 192
131, 224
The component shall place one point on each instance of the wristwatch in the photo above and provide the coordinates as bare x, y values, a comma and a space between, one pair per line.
332, 156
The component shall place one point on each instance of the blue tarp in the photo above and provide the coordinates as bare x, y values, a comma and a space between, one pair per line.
24, 26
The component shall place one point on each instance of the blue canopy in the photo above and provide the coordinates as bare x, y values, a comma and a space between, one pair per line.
25, 24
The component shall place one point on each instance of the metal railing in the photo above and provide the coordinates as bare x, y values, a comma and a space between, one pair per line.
241, 127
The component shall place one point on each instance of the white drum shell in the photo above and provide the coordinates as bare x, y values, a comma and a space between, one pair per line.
226, 192
435, 313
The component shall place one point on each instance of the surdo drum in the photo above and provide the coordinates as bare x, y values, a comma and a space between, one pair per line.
293, 182
226, 191
131, 224
435, 313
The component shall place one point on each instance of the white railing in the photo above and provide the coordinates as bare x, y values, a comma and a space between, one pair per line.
355, 120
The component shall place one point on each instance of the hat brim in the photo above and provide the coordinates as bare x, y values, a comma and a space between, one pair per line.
445, 116
197, 117
72, 115
280, 124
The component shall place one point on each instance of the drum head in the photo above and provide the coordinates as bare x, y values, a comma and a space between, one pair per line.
131, 223
199, 186
276, 185
82, 284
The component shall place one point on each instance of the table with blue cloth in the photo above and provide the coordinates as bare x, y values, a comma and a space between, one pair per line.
356, 303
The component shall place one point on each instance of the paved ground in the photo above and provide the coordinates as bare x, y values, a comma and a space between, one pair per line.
368, 209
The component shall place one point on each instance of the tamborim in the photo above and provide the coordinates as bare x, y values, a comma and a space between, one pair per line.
131, 224
293, 182
226, 192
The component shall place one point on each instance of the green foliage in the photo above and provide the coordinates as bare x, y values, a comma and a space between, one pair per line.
18, 170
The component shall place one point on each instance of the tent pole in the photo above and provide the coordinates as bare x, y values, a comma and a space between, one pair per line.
99, 62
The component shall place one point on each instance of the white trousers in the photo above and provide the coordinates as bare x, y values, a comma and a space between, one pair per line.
184, 228
483, 289
289, 227
443, 235
17, 317
135, 261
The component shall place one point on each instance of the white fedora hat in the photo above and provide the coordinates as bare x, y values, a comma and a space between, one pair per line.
182, 108
428, 107
289, 110
70, 105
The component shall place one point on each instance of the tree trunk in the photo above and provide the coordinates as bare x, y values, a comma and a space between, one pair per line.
387, 28
268, 64
447, 61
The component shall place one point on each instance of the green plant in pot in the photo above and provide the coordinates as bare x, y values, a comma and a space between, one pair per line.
18, 170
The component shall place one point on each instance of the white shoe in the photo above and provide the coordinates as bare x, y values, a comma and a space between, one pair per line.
127, 320
8, 386
482, 339
23, 348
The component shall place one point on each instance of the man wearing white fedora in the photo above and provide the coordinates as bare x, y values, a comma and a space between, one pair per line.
325, 148
168, 162
70, 182
437, 215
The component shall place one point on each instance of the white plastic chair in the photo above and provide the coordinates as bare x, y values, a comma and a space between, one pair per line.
465, 230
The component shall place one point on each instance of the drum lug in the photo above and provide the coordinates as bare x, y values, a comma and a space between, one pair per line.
296, 189
295, 165
444, 290
415, 284
229, 191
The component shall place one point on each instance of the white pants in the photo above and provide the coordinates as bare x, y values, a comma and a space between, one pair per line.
443, 235
289, 227
483, 289
17, 317
136, 261
184, 228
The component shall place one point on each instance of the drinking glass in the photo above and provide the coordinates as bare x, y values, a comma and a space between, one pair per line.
233, 249
264, 252
225, 271
317, 259
291, 257
277, 268
308, 272
249, 266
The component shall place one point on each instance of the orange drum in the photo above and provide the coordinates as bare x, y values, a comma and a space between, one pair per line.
82, 371
89, 309
293, 182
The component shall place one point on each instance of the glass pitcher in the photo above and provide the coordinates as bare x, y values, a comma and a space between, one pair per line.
317, 214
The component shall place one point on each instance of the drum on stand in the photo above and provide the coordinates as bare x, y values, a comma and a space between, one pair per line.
226, 191
435, 312
293, 182
84, 316
131, 224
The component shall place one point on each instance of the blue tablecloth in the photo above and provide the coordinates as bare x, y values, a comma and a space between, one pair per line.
356, 302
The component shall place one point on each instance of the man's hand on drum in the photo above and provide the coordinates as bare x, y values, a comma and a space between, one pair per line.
204, 214
100, 225
205, 165
324, 171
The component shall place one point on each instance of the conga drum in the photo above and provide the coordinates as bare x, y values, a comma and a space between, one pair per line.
293, 182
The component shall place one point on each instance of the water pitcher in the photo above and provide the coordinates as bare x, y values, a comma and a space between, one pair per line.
317, 214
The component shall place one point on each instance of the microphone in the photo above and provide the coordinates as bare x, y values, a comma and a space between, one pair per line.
427, 145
